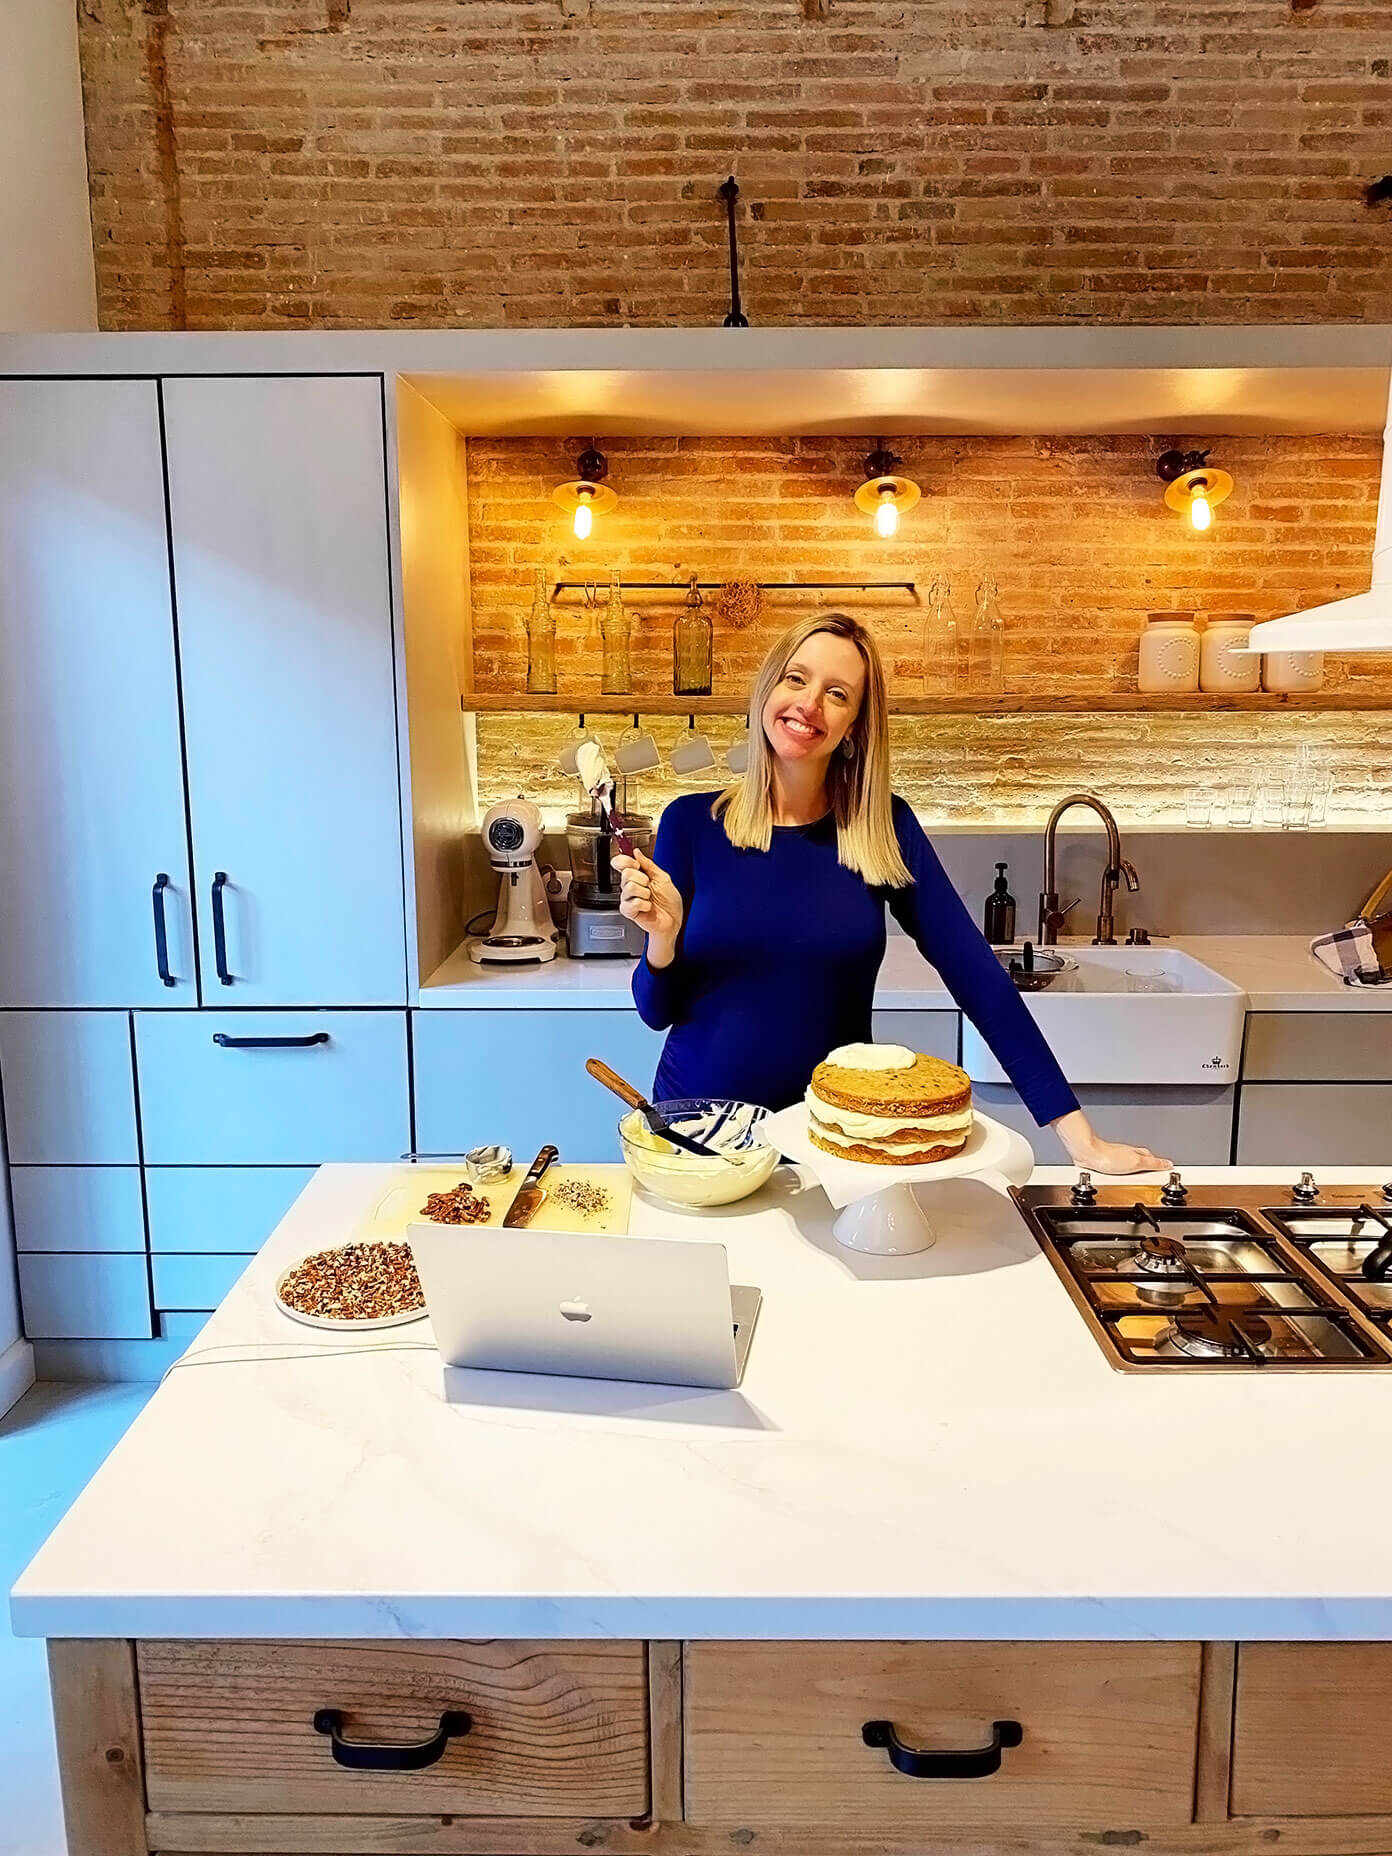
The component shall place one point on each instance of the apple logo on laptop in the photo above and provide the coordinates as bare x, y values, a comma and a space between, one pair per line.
576, 1310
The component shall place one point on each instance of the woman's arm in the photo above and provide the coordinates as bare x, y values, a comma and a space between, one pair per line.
933, 913
656, 895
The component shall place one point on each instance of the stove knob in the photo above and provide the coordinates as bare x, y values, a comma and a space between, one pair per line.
1084, 1193
1387, 1190
1307, 1191
1174, 1192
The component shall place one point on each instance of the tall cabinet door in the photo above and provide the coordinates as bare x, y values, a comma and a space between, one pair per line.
91, 775
279, 522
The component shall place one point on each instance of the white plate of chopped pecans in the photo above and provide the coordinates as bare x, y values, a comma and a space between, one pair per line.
353, 1288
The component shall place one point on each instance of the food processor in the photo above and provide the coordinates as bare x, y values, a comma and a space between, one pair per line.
594, 925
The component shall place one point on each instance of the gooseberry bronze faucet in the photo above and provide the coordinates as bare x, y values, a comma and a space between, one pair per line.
1116, 869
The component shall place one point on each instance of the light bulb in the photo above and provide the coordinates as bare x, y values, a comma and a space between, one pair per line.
887, 515
584, 521
1200, 511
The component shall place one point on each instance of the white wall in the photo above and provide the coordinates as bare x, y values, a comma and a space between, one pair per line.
46, 273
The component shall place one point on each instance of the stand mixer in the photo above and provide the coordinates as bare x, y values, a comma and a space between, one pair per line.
522, 931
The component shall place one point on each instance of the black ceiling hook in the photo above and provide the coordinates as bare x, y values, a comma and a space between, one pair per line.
729, 193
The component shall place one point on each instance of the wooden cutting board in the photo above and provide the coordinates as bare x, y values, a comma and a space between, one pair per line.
401, 1203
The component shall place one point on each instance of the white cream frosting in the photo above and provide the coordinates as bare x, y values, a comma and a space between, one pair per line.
833, 1139
591, 765
873, 1057
876, 1127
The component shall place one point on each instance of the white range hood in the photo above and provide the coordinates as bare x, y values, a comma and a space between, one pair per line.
1363, 623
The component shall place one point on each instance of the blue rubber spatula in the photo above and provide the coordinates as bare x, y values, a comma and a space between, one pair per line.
627, 1093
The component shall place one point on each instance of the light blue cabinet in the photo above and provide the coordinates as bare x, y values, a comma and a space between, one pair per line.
279, 528
214, 1210
1189, 1126
519, 1077
72, 1209
99, 1297
69, 1088
91, 777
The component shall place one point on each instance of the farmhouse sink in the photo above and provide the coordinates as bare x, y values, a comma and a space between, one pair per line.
1104, 1029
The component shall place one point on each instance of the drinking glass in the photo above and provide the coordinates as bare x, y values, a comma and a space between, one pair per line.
1239, 805
1198, 806
1272, 806
1321, 790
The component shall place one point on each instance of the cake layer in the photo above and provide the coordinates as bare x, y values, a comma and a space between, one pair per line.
905, 1092
884, 1127
883, 1156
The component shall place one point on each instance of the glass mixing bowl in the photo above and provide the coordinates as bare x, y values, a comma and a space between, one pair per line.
744, 1163
589, 871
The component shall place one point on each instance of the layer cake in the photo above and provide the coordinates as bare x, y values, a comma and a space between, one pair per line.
888, 1105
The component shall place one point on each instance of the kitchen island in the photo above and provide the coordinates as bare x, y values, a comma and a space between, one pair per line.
672, 1618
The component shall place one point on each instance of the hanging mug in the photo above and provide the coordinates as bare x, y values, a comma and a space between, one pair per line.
692, 752
637, 752
737, 754
568, 760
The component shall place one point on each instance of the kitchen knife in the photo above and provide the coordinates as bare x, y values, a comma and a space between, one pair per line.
531, 1192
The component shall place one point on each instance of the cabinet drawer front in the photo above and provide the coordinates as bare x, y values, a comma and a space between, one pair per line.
228, 1210
936, 1034
193, 1285
1311, 1730
774, 1733
558, 1729
69, 1088
1318, 1047
1323, 1124
84, 1298
205, 1102
78, 1208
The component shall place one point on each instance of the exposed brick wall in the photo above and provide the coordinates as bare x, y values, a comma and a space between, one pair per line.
553, 162
1081, 545
1074, 530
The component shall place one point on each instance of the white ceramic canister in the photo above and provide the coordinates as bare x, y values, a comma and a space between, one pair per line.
1290, 672
1169, 655
1222, 665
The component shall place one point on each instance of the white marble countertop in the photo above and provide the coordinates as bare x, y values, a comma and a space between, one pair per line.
932, 1447
1277, 972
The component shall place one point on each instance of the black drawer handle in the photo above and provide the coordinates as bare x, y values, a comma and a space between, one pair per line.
220, 928
914, 1763
360, 1757
162, 930
231, 1043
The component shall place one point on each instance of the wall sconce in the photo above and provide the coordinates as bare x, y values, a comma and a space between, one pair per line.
883, 495
587, 495
1193, 485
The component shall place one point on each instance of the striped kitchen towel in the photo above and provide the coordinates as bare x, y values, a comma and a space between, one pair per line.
1348, 953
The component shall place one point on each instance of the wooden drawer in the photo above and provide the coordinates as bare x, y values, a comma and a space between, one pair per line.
559, 1729
1313, 1723
774, 1733
266, 1095
1318, 1047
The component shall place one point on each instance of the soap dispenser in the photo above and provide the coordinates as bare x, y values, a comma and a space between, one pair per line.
1000, 912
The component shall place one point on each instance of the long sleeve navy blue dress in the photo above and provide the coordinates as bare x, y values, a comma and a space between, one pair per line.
778, 955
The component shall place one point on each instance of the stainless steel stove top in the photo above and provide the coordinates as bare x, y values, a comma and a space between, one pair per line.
1259, 1276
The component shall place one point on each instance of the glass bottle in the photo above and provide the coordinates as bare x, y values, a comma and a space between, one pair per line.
616, 679
541, 641
944, 653
988, 640
691, 647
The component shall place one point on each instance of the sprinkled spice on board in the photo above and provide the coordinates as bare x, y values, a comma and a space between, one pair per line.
578, 1195
360, 1282
460, 1205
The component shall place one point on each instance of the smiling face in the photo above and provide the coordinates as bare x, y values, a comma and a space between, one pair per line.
815, 702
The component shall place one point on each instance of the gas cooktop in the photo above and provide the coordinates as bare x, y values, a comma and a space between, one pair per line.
1252, 1277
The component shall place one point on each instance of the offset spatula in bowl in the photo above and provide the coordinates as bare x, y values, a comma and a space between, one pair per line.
627, 1093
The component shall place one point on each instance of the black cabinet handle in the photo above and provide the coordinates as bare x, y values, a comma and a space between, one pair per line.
162, 930
360, 1757
220, 929
231, 1043
914, 1763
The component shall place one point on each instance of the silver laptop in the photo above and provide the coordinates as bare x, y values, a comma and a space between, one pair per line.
658, 1310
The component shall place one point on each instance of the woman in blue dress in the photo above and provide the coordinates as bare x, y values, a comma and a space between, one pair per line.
764, 905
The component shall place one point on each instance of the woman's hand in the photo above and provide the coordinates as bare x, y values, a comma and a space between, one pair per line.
650, 898
1087, 1148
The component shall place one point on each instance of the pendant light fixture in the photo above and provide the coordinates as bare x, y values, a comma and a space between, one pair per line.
885, 495
587, 494
1193, 486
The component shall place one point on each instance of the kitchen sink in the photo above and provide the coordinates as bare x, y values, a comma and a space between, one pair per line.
1131, 1015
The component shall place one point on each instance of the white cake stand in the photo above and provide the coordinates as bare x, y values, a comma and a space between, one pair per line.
882, 1215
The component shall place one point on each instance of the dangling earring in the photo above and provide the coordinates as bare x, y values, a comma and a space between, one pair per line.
848, 748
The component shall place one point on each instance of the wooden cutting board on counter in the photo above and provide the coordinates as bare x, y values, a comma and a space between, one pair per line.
401, 1203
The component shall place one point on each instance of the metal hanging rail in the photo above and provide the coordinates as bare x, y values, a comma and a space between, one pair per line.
714, 586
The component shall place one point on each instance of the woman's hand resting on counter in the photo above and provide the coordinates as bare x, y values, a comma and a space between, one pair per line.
1087, 1148
650, 898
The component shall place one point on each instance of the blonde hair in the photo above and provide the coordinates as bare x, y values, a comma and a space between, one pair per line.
857, 783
